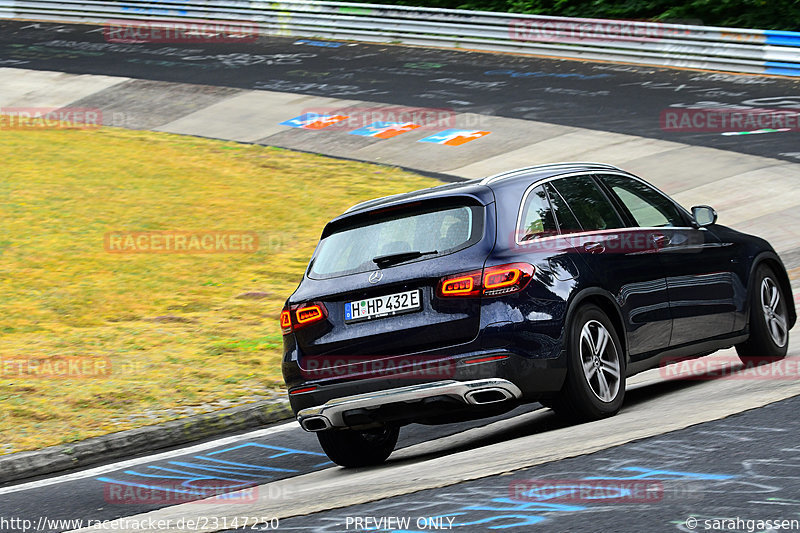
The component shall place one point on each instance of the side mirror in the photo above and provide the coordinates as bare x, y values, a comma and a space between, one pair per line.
704, 215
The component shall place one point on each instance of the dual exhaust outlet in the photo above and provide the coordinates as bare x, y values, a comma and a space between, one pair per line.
477, 392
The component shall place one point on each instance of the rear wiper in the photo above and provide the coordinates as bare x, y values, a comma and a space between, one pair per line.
391, 259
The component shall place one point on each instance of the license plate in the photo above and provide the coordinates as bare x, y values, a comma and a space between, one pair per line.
382, 306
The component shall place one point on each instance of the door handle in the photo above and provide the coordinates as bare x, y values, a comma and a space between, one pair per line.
660, 240
594, 247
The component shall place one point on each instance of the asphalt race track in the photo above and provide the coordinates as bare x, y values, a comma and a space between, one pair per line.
280, 451
744, 466
705, 447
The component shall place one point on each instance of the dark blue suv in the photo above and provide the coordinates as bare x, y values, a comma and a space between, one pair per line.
551, 283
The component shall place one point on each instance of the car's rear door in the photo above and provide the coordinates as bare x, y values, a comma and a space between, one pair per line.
620, 258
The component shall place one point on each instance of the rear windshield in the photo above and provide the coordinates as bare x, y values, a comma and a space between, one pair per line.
440, 229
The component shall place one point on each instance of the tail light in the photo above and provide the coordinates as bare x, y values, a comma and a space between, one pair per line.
309, 314
286, 321
300, 316
491, 281
466, 284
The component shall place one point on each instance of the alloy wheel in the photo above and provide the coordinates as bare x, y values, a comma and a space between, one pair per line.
774, 312
600, 360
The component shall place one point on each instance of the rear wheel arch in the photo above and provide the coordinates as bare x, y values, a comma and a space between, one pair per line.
605, 301
596, 365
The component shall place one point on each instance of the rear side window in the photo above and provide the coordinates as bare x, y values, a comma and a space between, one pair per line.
441, 229
590, 206
648, 207
537, 218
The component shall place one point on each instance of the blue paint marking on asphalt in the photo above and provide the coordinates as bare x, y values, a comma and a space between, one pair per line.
648, 473
324, 44
189, 476
198, 492
441, 137
516, 513
513, 513
518, 510
513, 510
453, 137
384, 130
234, 473
245, 465
284, 451
516, 505
525, 520
600, 492
230, 470
371, 130
303, 120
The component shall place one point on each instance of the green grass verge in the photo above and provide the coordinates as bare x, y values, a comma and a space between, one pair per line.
171, 325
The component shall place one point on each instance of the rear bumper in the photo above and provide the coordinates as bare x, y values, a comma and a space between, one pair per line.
535, 378
332, 414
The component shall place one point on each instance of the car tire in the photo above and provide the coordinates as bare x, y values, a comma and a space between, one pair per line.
595, 383
769, 331
353, 448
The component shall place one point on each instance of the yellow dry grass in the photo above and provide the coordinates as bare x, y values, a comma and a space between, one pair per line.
63, 295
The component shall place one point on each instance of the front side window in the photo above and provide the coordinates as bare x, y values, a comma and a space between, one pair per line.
432, 231
648, 207
588, 203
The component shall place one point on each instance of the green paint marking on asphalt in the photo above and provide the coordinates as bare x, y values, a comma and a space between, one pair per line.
754, 132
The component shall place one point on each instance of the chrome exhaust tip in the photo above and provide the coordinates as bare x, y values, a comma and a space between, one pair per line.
487, 396
315, 423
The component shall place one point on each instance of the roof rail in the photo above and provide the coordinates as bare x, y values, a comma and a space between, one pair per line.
519, 171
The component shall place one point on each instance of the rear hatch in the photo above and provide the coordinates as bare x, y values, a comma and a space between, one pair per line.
375, 276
